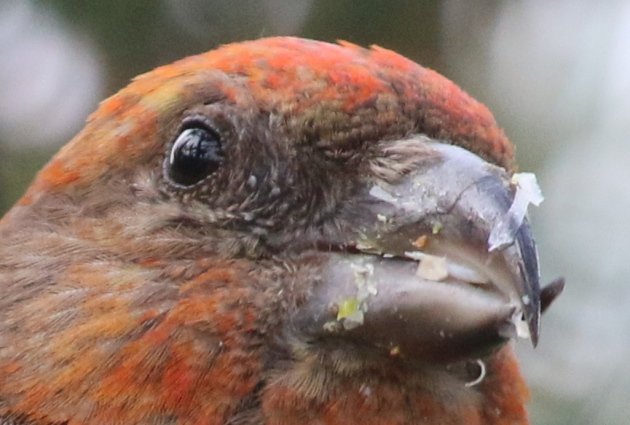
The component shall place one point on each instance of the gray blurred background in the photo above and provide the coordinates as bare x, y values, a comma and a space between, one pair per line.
555, 73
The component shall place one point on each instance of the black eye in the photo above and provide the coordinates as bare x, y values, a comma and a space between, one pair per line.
195, 155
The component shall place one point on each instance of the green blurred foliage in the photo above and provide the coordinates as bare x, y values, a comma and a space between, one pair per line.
17, 168
409, 27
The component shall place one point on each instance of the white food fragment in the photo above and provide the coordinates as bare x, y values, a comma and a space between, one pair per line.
365, 246
466, 274
527, 192
415, 255
353, 320
433, 268
371, 288
331, 326
437, 228
365, 390
522, 329
381, 218
362, 274
439, 268
380, 193
357, 305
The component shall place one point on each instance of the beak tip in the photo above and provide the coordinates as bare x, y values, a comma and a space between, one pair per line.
534, 332
532, 316
548, 295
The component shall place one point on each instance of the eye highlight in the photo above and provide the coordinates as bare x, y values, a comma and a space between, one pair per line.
196, 153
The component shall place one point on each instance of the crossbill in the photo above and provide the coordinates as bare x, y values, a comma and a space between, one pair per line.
280, 231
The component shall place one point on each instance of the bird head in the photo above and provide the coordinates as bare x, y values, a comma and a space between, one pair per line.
276, 214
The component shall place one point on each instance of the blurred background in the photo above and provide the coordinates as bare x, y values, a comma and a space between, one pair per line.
555, 73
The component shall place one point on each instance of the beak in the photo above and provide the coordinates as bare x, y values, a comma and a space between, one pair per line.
438, 265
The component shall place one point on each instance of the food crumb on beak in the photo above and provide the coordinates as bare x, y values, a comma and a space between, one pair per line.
437, 228
379, 193
522, 329
382, 218
438, 268
351, 313
527, 192
421, 242
430, 267
351, 310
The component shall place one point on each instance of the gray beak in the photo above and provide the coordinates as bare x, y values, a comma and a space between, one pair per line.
439, 264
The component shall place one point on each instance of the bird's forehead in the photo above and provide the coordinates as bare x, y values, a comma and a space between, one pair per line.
324, 93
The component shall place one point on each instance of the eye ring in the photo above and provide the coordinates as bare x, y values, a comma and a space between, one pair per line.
195, 153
